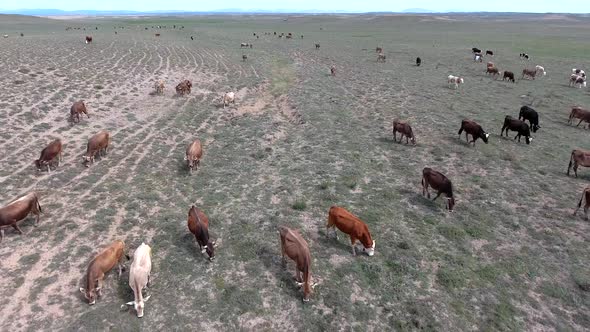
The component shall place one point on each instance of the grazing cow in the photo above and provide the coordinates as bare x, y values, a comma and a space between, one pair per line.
529, 73
508, 75
585, 195
229, 98
350, 224
473, 129
381, 57
579, 72
88, 39
488, 52
405, 130
193, 154
139, 276
540, 70
578, 158
78, 108
528, 113
455, 81
333, 71
579, 113
493, 71
184, 87
519, 126
440, 183
198, 225
99, 143
244, 57
22, 34
317, 46
418, 62
157, 35
524, 56
288, 37
477, 57
577, 80
99, 266
159, 87
18, 210
295, 247
50, 153
192, 38
378, 50
476, 50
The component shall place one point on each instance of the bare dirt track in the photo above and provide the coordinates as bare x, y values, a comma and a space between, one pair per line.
297, 141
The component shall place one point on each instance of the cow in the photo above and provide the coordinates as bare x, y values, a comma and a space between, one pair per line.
22, 34
157, 35
350, 224
475, 50
529, 73
519, 126
78, 108
193, 154
540, 70
18, 210
317, 46
418, 62
455, 81
508, 75
577, 80
139, 276
493, 71
198, 225
578, 158
246, 45
49, 154
490, 65
99, 143
88, 39
579, 113
159, 87
378, 49
579, 72
524, 56
585, 195
333, 71
288, 37
475, 130
381, 57
229, 98
440, 183
99, 266
244, 57
528, 113
295, 247
488, 52
192, 38
405, 130
184, 87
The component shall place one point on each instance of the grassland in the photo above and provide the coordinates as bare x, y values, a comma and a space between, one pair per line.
511, 257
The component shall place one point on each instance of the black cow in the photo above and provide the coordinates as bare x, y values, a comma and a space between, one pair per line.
519, 126
473, 129
418, 61
524, 55
488, 52
476, 50
528, 113
508, 75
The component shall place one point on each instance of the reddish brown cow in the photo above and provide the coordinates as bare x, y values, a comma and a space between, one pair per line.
579, 113
193, 155
473, 129
405, 130
18, 210
99, 143
440, 183
295, 247
198, 224
77, 109
585, 195
578, 158
53, 150
350, 224
99, 266
493, 71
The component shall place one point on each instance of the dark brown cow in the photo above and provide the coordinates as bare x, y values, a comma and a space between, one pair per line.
184, 87
350, 224
88, 39
378, 50
78, 108
578, 158
405, 130
473, 129
508, 75
53, 150
521, 127
493, 71
99, 143
333, 71
579, 113
18, 210
193, 155
198, 225
244, 57
585, 195
157, 35
99, 266
529, 73
295, 247
317, 46
440, 183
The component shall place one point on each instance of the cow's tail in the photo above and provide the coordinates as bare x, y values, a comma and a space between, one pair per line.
307, 279
460, 130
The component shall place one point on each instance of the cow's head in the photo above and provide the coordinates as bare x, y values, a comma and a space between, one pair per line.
39, 163
370, 251
485, 137
413, 139
210, 250
536, 127
529, 139
87, 159
450, 203
190, 162
90, 294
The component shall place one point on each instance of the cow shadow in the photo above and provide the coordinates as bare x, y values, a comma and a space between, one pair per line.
283, 270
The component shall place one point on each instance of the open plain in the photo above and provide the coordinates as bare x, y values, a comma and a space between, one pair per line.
297, 141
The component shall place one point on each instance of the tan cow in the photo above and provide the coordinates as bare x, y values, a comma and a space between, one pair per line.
139, 276
193, 155
50, 153
18, 210
159, 87
350, 224
77, 109
99, 266
579, 113
99, 143
295, 247
229, 98
578, 158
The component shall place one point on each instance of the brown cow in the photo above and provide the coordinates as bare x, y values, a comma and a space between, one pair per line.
159, 87
53, 150
99, 266
18, 210
333, 71
440, 183
475, 130
88, 39
493, 71
99, 143
585, 195
579, 113
508, 75
490, 64
350, 224
198, 225
77, 109
578, 158
529, 72
405, 130
184, 87
193, 155
295, 247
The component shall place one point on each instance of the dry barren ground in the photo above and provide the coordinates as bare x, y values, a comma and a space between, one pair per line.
511, 257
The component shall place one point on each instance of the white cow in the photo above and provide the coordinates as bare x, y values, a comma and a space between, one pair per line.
455, 81
139, 276
228, 98
540, 69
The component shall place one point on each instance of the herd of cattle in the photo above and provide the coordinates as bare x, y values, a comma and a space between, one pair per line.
293, 245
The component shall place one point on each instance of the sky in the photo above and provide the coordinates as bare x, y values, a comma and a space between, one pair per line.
539, 6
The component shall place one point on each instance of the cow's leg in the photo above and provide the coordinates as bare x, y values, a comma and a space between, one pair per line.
298, 275
437, 195
15, 226
48, 168
120, 269
1, 235
352, 242
517, 135
394, 138
580, 122
425, 191
576, 169
586, 208
407, 139
466, 137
